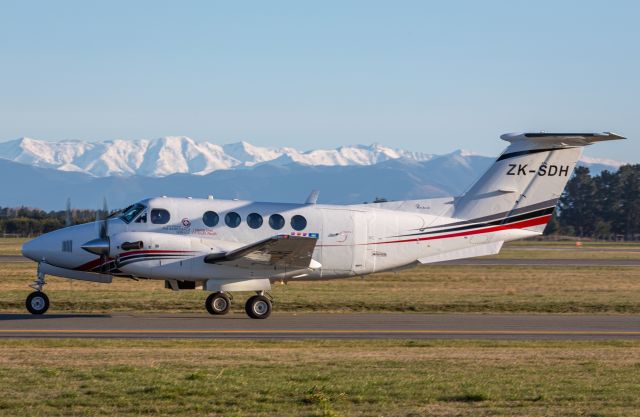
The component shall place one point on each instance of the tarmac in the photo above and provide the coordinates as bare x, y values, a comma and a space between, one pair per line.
338, 326
323, 326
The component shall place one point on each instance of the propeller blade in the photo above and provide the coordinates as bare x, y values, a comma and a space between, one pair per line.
104, 229
67, 220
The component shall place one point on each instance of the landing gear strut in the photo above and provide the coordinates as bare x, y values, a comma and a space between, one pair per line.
258, 307
218, 303
37, 302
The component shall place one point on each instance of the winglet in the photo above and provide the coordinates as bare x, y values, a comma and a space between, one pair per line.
313, 197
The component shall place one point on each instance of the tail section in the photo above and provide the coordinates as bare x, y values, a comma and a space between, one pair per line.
527, 179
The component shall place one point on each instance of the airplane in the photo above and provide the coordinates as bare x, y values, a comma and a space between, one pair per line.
226, 246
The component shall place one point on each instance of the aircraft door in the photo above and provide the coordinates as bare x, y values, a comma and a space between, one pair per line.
337, 241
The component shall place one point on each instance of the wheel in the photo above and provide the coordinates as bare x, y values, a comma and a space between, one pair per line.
218, 303
37, 302
258, 307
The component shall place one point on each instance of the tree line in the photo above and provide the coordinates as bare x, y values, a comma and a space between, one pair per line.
26, 222
604, 206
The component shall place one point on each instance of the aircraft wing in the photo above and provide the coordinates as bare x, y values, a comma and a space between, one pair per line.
283, 250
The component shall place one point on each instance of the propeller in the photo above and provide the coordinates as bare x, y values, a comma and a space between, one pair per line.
100, 246
68, 219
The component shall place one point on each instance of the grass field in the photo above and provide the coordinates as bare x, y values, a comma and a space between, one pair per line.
423, 289
337, 378
316, 378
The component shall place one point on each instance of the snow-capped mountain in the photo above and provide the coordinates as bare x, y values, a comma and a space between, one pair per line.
180, 154
127, 171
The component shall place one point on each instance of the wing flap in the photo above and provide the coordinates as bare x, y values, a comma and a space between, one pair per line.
281, 250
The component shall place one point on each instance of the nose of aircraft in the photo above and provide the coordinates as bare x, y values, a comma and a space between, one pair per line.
33, 249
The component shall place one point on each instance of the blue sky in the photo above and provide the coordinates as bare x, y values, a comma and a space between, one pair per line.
426, 76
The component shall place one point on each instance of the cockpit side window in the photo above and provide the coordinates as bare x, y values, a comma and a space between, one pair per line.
142, 218
131, 212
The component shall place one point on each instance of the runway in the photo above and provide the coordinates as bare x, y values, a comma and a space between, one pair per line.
323, 326
473, 262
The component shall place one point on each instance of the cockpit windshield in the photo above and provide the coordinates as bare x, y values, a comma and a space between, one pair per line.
131, 212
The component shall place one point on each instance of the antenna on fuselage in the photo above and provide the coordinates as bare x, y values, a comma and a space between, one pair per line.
313, 197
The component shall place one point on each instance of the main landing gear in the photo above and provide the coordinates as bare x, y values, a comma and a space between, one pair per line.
218, 303
257, 307
37, 302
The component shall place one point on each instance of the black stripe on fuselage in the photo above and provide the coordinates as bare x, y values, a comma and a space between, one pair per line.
148, 255
498, 216
512, 219
125, 260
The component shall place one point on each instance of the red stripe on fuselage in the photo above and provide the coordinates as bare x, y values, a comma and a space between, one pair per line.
517, 225
98, 261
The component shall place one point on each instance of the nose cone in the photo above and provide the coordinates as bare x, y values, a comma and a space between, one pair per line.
32, 249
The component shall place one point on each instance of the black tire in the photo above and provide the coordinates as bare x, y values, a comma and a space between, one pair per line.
37, 302
218, 303
258, 307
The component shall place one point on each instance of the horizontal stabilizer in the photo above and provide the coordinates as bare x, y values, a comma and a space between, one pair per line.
560, 139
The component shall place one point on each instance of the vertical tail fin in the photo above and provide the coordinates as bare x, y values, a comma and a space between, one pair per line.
527, 179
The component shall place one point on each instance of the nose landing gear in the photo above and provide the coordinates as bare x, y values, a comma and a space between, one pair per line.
37, 302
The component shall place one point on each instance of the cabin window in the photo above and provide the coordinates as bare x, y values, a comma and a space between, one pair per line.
298, 222
232, 219
276, 221
210, 218
254, 220
160, 216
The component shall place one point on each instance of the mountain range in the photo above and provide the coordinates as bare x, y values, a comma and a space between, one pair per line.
44, 174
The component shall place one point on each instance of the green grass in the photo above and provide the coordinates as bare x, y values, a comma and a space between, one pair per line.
318, 378
11, 246
425, 289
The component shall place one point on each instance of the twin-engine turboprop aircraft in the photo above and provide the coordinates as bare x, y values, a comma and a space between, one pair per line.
224, 246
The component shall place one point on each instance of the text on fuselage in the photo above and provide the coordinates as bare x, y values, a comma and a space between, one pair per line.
543, 170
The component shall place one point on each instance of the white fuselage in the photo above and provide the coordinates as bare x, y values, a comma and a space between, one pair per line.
352, 240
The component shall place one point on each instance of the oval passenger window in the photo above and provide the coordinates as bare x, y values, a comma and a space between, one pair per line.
276, 221
254, 220
160, 216
232, 219
210, 218
298, 222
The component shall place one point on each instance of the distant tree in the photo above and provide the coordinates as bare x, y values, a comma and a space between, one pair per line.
577, 208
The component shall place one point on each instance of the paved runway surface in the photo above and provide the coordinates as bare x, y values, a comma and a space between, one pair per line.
543, 262
478, 261
14, 258
323, 326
